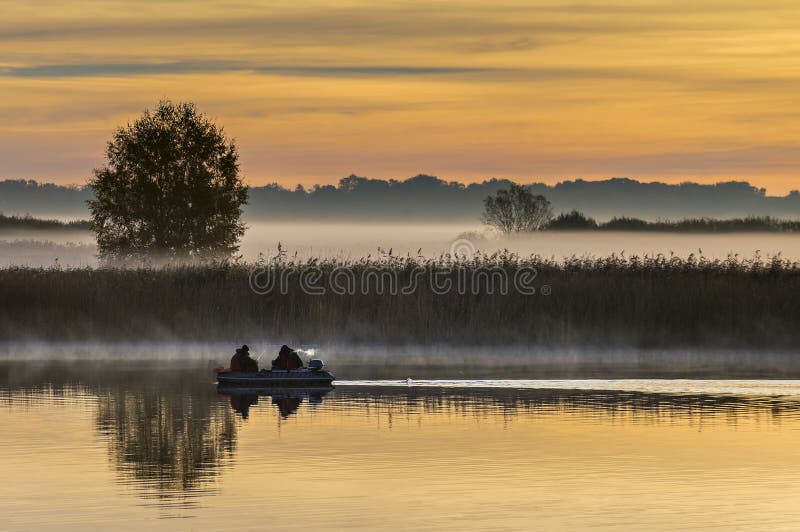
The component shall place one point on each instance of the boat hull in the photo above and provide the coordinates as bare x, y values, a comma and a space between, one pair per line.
279, 392
300, 378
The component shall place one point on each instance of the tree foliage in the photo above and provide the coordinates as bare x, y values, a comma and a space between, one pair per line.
170, 187
516, 210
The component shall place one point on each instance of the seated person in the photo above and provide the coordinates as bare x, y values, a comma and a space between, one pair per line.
236, 364
287, 359
241, 361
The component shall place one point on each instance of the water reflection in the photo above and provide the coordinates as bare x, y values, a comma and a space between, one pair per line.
287, 400
167, 434
171, 434
170, 445
585, 405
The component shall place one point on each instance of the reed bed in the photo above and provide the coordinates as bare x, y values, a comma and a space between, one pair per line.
612, 301
29, 222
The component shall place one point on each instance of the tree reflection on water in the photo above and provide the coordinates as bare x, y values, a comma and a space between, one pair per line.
168, 443
169, 436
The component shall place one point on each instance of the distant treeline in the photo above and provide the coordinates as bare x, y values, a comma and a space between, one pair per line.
614, 301
28, 222
43, 200
576, 221
427, 198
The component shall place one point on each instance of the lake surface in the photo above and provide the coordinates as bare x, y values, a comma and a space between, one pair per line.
88, 445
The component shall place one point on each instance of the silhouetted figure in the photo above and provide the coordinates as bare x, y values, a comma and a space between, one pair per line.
236, 360
241, 361
249, 365
287, 359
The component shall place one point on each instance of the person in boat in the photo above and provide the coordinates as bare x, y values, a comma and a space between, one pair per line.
241, 361
287, 359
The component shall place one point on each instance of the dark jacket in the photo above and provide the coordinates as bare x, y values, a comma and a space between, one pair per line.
249, 365
236, 361
287, 360
241, 361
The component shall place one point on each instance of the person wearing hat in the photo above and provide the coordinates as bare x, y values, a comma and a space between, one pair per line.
287, 359
241, 361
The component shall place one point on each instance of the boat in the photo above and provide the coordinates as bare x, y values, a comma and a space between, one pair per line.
279, 391
307, 377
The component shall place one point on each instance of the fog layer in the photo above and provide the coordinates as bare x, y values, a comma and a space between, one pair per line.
425, 362
76, 248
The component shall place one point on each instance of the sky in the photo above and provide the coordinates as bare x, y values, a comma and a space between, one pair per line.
700, 90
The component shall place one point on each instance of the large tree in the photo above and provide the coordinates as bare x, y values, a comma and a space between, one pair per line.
516, 210
170, 187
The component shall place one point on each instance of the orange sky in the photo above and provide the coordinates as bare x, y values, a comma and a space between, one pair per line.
533, 90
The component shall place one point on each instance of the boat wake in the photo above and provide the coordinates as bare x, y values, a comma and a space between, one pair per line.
665, 386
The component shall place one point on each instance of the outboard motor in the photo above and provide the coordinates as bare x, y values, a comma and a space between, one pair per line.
315, 364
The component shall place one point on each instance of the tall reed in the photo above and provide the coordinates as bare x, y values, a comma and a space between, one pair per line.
617, 300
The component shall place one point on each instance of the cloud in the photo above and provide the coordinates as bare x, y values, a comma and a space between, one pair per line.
523, 75
193, 67
702, 80
330, 23
367, 70
533, 74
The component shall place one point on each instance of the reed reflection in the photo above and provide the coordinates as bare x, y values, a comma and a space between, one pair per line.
592, 406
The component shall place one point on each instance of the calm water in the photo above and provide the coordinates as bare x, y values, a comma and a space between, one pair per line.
141, 446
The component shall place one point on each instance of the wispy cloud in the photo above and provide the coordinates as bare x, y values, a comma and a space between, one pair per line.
187, 67
333, 22
717, 81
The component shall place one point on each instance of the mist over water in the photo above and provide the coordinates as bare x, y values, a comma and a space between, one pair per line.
356, 240
421, 363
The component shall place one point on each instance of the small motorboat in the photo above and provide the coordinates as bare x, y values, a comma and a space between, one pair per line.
310, 376
277, 391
